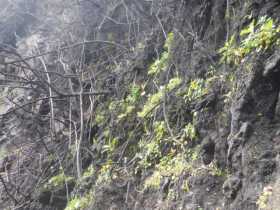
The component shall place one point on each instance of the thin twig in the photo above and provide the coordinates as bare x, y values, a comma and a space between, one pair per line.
68, 47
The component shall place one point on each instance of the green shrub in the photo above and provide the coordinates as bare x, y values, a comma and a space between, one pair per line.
153, 181
134, 94
160, 130
58, 181
88, 172
216, 171
169, 166
110, 146
195, 90
161, 64
149, 154
80, 203
256, 37
104, 175
128, 105
154, 100
190, 131
169, 41
100, 118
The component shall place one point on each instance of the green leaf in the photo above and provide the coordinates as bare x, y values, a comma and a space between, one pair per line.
249, 29
268, 25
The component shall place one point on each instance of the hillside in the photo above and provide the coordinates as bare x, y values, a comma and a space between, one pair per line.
139, 105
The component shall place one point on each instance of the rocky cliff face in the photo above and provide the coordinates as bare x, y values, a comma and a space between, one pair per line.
139, 104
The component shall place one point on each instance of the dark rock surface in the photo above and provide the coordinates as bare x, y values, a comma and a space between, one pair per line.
241, 137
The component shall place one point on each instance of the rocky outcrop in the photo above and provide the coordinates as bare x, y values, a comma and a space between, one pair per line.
74, 77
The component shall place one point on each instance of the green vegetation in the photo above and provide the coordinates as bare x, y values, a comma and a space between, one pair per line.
258, 36
58, 181
3, 152
185, 186
264, 197
172, 166
195, 90
155, 99
128, 105
151, 152
132, 111
160, 130
161, 64
104, 173
190, 132
171, 195
134, 94
153, 182
110, 145
80, 203
215, 171
88, 172
99, 118
168, 167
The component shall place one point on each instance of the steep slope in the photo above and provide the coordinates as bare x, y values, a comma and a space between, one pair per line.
139, 104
